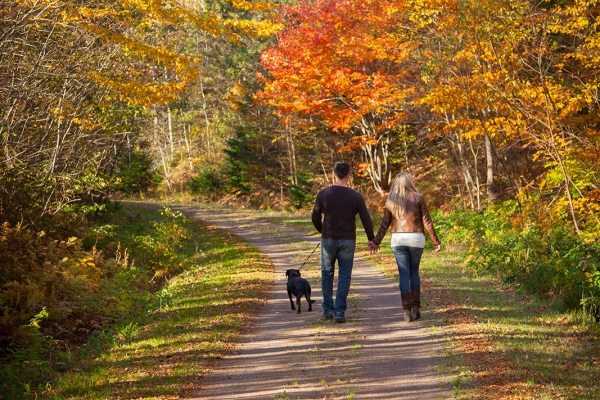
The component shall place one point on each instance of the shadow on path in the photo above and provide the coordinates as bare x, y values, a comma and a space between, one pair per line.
376, 355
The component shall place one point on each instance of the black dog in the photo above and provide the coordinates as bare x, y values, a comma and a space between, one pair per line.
299, 287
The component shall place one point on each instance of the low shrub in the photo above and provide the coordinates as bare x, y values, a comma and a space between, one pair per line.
135, 175
544, 259
300, 198
206, 184
57, 289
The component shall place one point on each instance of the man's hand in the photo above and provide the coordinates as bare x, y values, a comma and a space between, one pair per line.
373, 248
438, 248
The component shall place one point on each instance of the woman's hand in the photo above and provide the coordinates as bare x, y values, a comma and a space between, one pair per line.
438, 248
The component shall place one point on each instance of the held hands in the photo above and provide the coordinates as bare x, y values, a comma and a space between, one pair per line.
438, 248
373, 248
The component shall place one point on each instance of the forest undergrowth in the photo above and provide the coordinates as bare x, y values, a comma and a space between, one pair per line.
138, 305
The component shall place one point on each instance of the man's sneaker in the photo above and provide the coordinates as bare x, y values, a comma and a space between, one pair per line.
328, 317
340, 320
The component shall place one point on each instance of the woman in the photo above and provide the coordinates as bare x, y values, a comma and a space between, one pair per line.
406, 213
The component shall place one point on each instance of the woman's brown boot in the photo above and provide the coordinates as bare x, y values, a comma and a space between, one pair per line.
415, 296
406, 305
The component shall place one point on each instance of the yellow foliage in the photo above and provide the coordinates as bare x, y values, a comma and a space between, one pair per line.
254, 28
128, 25
254, 5
425, 12
87, 124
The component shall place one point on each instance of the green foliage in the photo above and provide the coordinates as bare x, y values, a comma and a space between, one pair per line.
16, 200
299, 195
207, 184
31, 367
552, 264
57, 289
135, 176
239, 157
164, 244
547, 261
40, 271
129, 331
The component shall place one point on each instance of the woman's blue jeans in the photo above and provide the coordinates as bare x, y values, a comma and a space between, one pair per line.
408, 260
343, 252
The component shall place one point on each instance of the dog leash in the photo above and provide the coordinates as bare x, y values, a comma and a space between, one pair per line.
315, 249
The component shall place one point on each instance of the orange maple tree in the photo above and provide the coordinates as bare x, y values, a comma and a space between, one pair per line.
348, 63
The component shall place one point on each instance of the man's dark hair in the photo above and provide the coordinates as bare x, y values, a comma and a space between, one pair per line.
341, 169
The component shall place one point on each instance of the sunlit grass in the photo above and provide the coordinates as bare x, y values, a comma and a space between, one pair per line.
196, 318
511, 344
501, 343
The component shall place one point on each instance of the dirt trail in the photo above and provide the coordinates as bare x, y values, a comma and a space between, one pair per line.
375, 355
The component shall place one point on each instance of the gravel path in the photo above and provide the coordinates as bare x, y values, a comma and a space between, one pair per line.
375, 355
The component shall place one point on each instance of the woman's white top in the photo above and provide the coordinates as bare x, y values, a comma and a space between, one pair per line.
411, 239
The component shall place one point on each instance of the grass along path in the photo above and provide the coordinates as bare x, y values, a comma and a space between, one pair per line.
502, 344
375, 355
196, 318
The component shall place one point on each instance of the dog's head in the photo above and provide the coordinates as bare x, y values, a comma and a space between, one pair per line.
291, 273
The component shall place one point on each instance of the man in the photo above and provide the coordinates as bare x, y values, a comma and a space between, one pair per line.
338, 204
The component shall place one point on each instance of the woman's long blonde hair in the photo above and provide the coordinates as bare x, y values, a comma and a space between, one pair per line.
402, 185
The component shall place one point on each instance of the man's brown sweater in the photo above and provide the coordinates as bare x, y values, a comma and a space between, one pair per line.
340, 204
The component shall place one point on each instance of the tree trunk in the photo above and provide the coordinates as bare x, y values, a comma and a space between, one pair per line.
188, 147
376, 154
489, 151
476, 183
170, 129
461, 163
291, 153
159, 146
206, 122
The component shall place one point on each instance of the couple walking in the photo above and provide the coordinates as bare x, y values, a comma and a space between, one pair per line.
334, 216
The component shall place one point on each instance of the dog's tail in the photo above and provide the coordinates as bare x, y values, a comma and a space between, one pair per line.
312, 301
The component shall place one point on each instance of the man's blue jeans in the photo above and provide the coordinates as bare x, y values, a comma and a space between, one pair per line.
343, 252
408, 259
